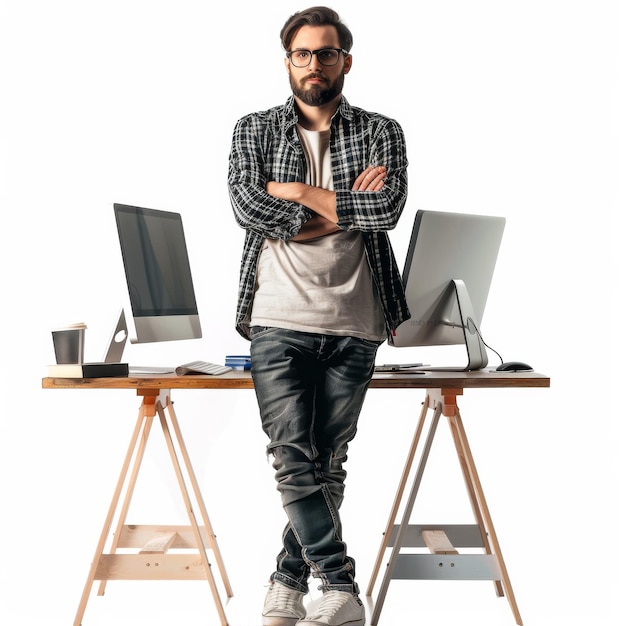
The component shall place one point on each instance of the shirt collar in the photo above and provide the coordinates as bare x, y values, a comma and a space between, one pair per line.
290, 118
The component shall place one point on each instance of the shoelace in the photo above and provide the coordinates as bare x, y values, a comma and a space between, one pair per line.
332, 602
283, 597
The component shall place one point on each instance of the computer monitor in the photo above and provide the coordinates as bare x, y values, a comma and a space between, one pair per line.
161, 296
447, 276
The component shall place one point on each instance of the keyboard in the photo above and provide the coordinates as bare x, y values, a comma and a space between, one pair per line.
202, 367
150, 369
398, 367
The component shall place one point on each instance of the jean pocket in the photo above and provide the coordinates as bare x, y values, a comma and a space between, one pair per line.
370, 342
260, 331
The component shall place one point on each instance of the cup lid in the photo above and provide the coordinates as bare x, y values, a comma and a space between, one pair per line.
76, 326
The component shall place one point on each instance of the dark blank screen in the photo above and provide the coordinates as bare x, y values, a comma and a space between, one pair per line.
155, 261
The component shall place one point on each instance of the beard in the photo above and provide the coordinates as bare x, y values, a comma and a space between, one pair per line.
315, 95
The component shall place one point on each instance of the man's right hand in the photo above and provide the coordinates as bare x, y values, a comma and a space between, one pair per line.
371, 179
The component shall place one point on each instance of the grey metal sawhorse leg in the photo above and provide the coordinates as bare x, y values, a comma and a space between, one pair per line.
443, 562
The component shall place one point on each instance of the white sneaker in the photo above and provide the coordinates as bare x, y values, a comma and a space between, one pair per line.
335, 608
283, 606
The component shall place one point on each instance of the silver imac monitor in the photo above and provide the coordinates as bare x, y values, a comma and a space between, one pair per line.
158, 278
447, 275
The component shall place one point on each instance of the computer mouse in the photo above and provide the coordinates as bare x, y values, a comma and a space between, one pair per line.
514, 366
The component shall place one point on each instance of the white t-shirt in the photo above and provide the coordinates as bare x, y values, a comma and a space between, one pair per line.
322, 285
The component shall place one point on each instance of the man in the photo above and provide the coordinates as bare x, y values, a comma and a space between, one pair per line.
316, 183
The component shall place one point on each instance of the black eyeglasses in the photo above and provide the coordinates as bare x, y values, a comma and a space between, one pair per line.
326, 56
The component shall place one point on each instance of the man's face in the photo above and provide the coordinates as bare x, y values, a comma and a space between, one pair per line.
317, 84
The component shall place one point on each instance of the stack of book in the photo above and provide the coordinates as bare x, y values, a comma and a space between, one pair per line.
238, 362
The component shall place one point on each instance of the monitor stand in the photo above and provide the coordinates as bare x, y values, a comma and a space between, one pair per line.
476, 353
116, 346
117, 343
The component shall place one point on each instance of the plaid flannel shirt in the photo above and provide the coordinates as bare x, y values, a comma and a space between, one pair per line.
266, 147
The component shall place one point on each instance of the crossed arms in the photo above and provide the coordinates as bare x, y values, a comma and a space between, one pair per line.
322, 201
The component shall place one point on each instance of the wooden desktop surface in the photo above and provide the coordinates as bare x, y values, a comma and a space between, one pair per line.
487, 378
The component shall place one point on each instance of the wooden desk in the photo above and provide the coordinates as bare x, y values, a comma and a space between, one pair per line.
153, 562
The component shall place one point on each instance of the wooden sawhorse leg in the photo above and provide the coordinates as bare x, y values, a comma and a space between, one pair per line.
444, 561
153, 562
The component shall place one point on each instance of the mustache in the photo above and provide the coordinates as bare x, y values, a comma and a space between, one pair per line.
316, 75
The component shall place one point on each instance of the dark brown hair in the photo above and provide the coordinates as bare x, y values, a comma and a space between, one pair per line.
315, 16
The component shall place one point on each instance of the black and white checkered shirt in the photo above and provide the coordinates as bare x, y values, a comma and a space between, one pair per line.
266, 147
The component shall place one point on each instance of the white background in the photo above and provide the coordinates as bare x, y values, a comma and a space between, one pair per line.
509, 108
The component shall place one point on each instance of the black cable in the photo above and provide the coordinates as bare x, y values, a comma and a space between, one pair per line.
486, 345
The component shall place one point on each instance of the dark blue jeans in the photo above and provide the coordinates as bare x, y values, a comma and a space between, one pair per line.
310, 389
